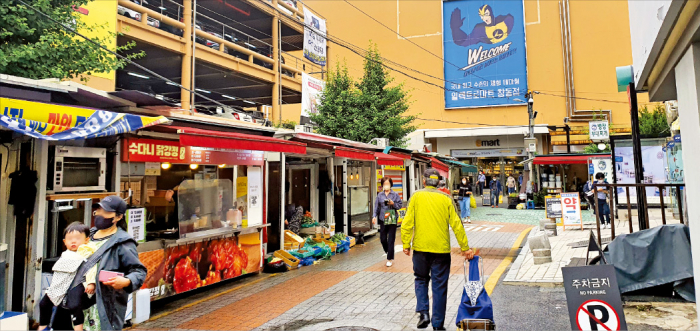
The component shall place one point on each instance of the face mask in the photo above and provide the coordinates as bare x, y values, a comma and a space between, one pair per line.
387, 187
464, 182
102, 223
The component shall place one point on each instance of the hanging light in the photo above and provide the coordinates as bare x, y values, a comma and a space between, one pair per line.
194, 166
165, 165
223, 165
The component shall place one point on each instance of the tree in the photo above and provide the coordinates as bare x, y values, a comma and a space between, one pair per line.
286, 124
653, 123
33, 46
592, 148
370, 108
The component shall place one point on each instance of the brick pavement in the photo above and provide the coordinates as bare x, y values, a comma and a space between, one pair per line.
353, 289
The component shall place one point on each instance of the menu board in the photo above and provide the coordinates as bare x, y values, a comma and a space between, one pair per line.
553, 205
136, 223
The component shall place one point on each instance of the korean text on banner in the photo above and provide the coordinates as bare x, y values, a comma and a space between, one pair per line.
311, 89
484, 51
314, 38
59, 122
599, 130
571, 209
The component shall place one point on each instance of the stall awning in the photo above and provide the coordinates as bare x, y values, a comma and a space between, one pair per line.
465, 167
49, 121
437, 164
232, 140
388, 159
565, 159
352, 153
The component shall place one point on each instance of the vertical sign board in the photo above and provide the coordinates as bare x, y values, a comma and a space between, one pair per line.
484, 52
571, 210
314, 38
311, 90
255, 198
593, 298
136, 223
553, 206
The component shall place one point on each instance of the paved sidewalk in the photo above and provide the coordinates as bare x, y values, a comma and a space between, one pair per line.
524, 270
353, 289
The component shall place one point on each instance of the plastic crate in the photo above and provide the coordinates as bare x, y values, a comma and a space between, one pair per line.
302, 253
291, 261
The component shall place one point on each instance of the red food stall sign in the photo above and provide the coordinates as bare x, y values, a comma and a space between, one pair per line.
154, 150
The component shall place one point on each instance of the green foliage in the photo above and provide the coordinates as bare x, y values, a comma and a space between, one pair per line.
370, 108
286, 124
653, 123
592, 148
34, 47
538, 197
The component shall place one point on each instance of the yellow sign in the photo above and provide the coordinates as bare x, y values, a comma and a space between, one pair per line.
399, 168
241, 186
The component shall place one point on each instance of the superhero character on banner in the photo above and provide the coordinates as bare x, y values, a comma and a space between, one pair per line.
492, 31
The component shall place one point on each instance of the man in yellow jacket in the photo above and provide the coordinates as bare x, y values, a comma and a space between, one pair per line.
426, 225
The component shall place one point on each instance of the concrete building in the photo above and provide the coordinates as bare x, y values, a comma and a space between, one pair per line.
666, 50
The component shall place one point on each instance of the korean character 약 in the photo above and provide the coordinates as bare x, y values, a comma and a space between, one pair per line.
576, 283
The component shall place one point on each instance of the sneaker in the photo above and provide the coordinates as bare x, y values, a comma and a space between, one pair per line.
469, 220
389, 263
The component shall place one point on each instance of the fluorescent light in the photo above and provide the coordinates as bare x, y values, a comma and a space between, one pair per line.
138, 75
250, 102
228, 97
173, 84
163, 8
200, 90
249, 45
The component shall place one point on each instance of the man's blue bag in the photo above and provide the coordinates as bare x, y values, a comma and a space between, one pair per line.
476, 303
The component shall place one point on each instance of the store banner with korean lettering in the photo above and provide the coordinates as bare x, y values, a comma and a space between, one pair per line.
484, 53
311, 90
599, 130
314, 38
155, 150
61, 122
571, 209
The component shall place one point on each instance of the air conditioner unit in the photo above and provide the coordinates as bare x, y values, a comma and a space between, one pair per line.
303, 128
382, 142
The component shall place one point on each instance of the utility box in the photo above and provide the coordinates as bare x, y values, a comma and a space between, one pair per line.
531, 145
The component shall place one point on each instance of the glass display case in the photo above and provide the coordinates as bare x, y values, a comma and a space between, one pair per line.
206, 206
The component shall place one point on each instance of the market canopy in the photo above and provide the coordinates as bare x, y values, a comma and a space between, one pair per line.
465, 167
48, 121
437, 164
352, 153
565, 159
388, 160
232, 140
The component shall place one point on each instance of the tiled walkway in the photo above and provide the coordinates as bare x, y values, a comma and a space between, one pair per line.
353, 289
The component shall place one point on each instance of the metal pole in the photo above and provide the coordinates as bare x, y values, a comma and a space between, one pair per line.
567, 128
637, 151
194, 43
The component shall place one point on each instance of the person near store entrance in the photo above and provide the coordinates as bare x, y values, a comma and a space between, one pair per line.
511, 184
496, 189
465, 195
426, 230
482, 182
603, 207
385, 207
590, 195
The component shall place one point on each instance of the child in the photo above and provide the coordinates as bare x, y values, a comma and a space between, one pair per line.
75, 236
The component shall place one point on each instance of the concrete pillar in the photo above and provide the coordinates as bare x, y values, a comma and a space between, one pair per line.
276, 102
688, 94
186, 74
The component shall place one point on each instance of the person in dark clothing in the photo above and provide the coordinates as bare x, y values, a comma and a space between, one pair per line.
602, 196
387, 202
116, 252
496, 189
465, 195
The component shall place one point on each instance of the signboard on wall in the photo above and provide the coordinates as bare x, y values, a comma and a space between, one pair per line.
136, 223
255, 196
311, 89
599, 130
465, 153
484, 52
314, 38
155, 150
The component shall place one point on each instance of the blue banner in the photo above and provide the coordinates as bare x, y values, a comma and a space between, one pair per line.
484, 52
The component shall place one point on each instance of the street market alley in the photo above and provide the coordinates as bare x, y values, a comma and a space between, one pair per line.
352, 289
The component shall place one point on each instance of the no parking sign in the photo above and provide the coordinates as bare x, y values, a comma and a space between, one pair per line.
593, 298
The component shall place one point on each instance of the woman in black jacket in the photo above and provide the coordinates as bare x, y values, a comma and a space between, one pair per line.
116, 252
465, 195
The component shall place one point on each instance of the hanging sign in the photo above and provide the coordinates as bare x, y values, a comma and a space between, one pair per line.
48, 121
136, 223
593, 298
598, 130
155, 150
571, 210
314, 38
311, 89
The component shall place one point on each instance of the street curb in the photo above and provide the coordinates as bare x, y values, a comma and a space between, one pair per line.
492, 281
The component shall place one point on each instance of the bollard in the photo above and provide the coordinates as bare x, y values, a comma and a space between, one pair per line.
540, 247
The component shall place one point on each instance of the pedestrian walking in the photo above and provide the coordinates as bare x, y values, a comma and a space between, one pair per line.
425, 230
442, 187
590, 195
465, 195
385, 207
115, 251
496, 189
510, 182
603, 207
482, 183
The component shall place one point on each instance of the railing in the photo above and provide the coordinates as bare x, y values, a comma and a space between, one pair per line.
613, 210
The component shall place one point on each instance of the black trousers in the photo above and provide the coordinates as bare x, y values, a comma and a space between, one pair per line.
75, 295
387, 235
433, 267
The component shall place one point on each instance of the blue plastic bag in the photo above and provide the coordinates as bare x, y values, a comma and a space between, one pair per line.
475, 303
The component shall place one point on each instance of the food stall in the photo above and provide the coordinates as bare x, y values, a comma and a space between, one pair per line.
568, 173
196, 204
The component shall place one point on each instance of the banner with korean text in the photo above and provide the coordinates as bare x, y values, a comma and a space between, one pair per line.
314, 38
484, 53
311, 89
62, 122
571, 210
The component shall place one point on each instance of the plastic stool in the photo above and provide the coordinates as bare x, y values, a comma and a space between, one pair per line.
530, 204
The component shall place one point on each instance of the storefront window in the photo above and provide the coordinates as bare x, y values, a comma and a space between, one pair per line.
204, 206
